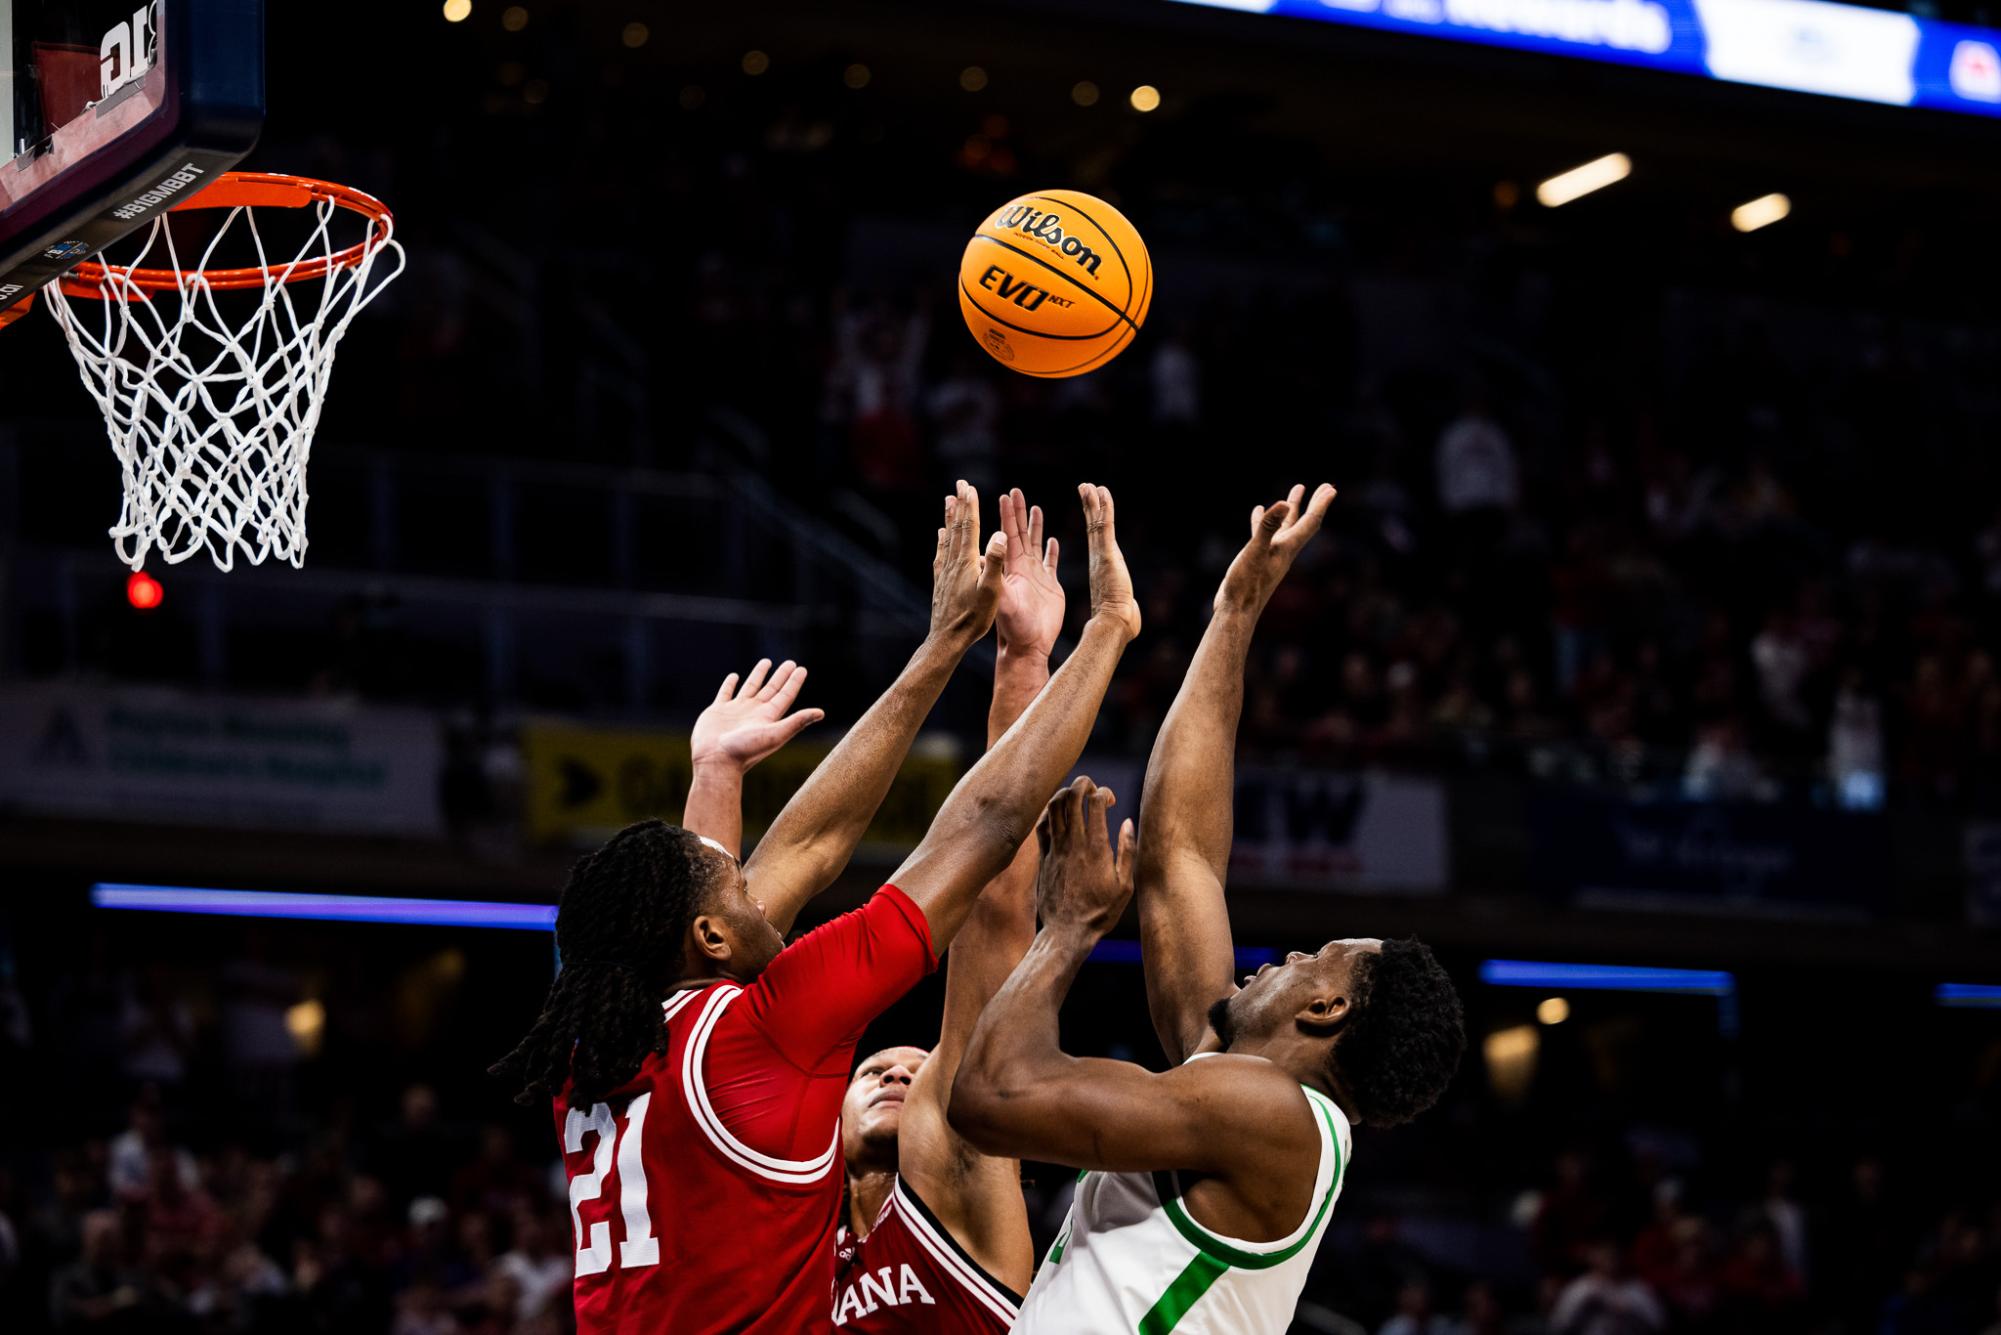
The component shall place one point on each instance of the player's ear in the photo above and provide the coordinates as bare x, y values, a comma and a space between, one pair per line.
1324, 1012
708, 938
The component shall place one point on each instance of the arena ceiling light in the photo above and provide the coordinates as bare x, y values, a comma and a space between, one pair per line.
434, 913
325, 908
1976, 996
1760, 212
1555, 977
1578, 182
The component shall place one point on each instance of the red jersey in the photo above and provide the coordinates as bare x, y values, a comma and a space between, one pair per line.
909, 1276
704, 1193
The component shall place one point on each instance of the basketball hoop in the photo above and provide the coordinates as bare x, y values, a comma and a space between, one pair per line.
212, 416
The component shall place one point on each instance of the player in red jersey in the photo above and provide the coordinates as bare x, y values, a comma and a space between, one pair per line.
703, 1153
935, 1240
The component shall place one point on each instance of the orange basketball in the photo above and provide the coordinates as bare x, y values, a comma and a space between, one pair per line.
1055, 283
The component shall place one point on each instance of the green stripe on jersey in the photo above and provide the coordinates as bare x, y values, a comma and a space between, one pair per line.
1208, 1243
1186, 1290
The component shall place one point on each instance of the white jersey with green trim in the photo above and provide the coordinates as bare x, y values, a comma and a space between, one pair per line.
1131, 1258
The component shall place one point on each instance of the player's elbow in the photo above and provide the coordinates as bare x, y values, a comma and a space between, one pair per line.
980, 1110
989, 829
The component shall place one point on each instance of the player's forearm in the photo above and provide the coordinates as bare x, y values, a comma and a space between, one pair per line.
1184, 847
1191, 775
715, 804
994, 807
1019, 676
816, 833
1017, 1046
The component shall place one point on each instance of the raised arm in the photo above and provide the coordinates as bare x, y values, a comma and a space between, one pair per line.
816, 833
1018, 1093
740, 727
976, 1196
1185, 812
979, 829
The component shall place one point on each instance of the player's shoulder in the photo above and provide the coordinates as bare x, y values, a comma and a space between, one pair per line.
1239, 1089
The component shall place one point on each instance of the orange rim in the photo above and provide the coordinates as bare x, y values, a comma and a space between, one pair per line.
267, 190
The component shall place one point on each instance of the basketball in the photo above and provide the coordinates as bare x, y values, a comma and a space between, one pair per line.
1055, 283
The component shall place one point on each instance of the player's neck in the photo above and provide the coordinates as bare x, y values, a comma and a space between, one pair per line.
867, 1191
1308, 1067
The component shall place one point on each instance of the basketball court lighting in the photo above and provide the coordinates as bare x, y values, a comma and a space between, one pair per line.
755, 62
1578, 182
1760, 212
972, 78
1977, 996
1553, 1010
457, 10
1085, 93
325, 908
514, 18
635, 35
1145, 97
856, 76
1552, 976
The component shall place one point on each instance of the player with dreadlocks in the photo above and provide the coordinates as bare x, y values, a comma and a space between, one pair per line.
1208, 1188
696, 1063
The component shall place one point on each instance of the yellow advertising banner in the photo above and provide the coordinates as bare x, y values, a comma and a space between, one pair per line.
585, 783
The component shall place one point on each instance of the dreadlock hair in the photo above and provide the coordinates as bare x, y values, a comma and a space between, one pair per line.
1405, 1036
619, 931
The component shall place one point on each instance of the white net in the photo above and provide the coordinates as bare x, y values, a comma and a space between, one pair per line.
211, 394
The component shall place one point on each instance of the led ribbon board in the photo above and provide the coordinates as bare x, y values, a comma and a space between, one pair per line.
1808, 46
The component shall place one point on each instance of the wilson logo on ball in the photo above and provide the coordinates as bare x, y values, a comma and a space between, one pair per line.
1047, 228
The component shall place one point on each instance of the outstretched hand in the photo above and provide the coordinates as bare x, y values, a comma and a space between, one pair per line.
743, 726
1080, 883
1278, 534
965, 579
1031, 600
1111, 583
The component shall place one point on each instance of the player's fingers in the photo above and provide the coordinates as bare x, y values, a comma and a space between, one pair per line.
994, 565
1042, 828
776, 681
729, 685
1049, 555
1106, 507
1257, 519
789, 692
1274, 520
755, 681
1095, 807
1088, 494
1035, 528
1128, 841
1316, 509
1295, 496
1056, 817
972, 517
793, 724
955, 529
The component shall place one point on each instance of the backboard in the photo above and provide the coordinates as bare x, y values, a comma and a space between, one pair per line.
110, 112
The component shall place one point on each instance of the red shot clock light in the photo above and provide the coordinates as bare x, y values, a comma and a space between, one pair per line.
143, 591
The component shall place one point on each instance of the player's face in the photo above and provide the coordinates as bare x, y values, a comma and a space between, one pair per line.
872, 1112
754, 942
1274, 996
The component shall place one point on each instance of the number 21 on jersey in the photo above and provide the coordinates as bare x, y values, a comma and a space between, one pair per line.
639, 1247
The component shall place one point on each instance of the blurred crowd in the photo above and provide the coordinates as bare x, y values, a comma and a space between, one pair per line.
434, 1223
1724, 527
